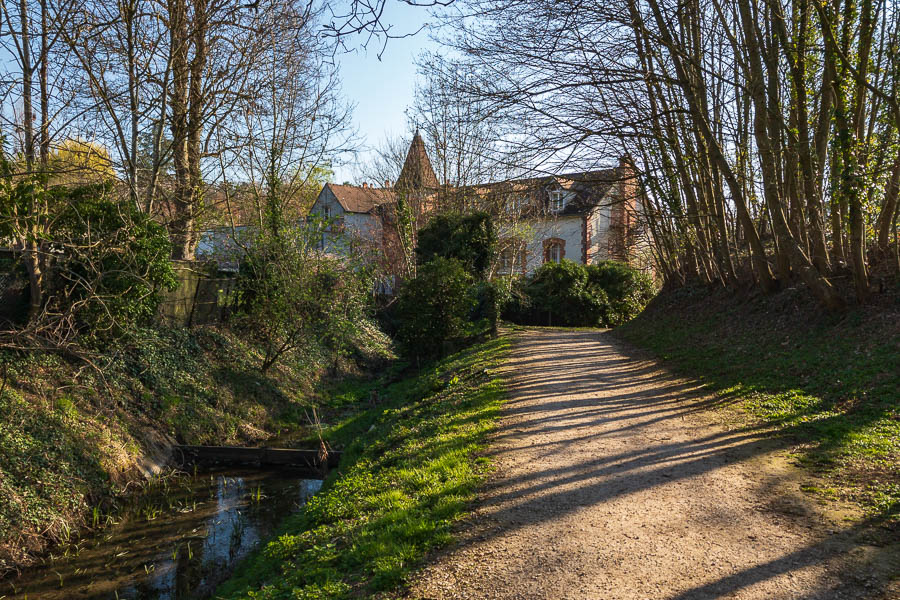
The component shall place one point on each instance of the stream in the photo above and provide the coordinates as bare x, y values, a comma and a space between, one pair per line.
173, 545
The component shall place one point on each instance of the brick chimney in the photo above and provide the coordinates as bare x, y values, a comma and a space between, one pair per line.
622, 213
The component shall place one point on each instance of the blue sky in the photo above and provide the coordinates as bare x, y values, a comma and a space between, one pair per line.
382, 90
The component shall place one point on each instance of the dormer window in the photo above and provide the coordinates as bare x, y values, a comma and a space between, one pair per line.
557, 203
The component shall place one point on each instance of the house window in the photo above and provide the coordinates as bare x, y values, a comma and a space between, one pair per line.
554, 253
517, 205
326, 212
507, 260
556, 200
554, 250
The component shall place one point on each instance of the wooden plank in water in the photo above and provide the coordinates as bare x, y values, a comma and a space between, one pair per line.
256, 456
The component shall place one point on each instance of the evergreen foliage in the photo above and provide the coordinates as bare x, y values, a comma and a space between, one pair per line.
434, 308
114, 262
468, 238
570, 294
104, 262
292, 296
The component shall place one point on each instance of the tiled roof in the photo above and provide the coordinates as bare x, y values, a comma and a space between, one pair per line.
589, 187
357, 199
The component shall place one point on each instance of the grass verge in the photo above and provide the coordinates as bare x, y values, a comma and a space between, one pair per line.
831, 382
410, 469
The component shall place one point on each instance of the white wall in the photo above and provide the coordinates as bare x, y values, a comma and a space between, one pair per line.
598, 244
567, 228
358, 227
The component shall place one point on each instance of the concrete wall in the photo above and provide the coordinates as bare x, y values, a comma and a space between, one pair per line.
199, 299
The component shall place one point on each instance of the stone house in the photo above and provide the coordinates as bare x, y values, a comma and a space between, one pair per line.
585, 217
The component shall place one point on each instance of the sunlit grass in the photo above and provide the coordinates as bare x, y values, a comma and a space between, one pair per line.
400, 488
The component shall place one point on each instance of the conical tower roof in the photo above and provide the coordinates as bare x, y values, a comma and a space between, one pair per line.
417, 173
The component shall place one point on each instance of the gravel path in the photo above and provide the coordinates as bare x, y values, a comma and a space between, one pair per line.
615, 480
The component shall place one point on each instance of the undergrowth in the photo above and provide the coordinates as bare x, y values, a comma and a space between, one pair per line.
72, 440
830, 382
409, 470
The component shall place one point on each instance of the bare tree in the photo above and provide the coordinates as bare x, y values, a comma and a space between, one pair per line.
298, 124
752, 124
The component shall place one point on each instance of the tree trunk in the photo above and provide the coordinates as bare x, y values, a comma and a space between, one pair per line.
44, 91
757, 253
31, 255
180, 227
819, 285
130, 16
886, 218
196, 98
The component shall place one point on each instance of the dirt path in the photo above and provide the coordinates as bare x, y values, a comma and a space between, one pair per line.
614, 481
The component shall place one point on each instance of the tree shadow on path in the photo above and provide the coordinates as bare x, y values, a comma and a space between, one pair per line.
596, 425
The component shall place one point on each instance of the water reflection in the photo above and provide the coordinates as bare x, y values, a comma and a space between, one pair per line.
183, 552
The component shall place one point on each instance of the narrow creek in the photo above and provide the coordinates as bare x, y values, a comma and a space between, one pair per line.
176, 545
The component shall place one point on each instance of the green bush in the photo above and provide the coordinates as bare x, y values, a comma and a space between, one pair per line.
105, 262
575, 295
113, 260
434, 308
562, 292
627, 290
491, 299
468, 238
292, 297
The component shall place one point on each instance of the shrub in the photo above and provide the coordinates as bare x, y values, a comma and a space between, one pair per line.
468, 238
111, 261
575, 295
627, 290
102, 261
492, 297
434, 308
292, 296
561, 294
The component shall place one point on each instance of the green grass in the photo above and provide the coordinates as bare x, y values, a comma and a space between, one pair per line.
410, 469
829, 382
45, 474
